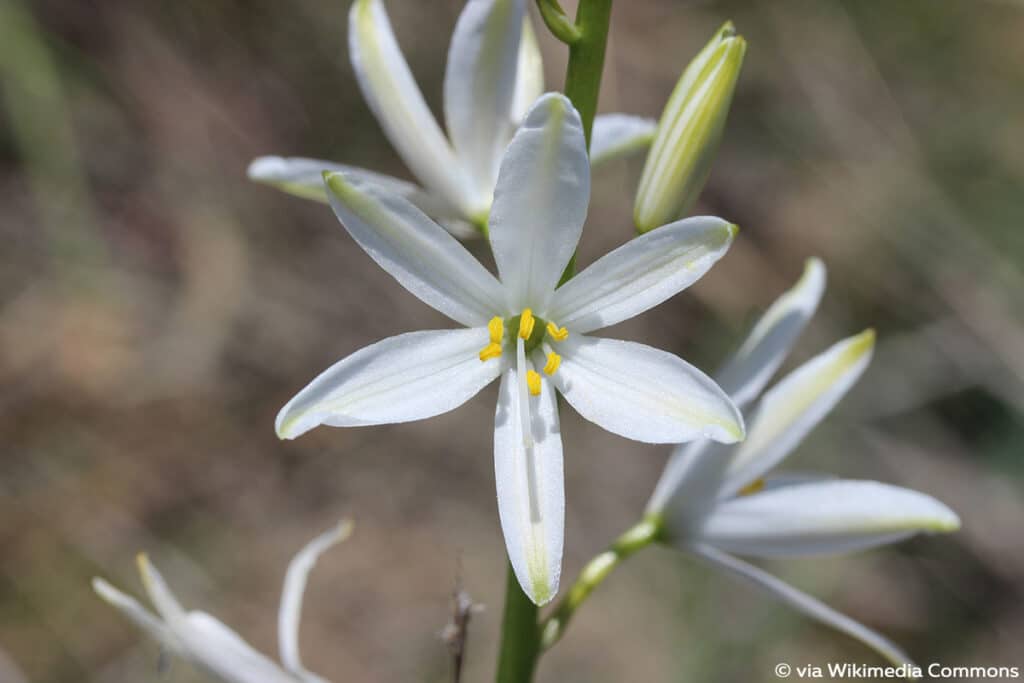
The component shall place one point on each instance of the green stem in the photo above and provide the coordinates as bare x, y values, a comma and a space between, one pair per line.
520, 635
586, 59
596, 571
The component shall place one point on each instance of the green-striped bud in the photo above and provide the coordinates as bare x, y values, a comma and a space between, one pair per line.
687, 137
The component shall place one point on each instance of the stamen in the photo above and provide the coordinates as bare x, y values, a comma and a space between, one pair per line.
526, 323
490, 351
752, 487
554, 360
497, 329
557, 333
533, 382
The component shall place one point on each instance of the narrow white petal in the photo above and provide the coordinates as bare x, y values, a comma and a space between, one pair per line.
137, 614
748, 371
305, 178
396, 101
643, 393
221, 652
804, 603
540, 202
641, 273
617, 135
794, 406
479, 85
290, 615
416, 251
823, 517
529, 480
158, 591
409, 377
529, 73
689, 484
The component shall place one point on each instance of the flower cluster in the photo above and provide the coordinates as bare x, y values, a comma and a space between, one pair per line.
514, 166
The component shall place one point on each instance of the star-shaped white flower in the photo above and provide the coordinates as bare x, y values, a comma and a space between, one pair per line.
494, 74
526, 330
206, 642
714, 501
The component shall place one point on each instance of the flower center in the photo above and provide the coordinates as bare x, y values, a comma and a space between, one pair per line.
535, 333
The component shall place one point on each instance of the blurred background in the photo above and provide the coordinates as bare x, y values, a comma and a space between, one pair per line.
157, 309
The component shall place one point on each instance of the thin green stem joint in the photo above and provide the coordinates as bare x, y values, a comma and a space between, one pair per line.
520, 635
596, 571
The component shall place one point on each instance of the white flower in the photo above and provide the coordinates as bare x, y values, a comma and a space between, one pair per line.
494, 74
713, 500
206, 642
525, 330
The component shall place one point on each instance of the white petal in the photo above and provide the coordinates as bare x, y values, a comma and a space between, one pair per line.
792, 408
616, 135
643, 393
223, 653
529, 73
823, 517
137, 614
416, 251
531, 497
396, 101
158, 591
540, 202
305, 178
290, 614
479, 85
641, 273
689, 484
748, 371
804, 603
409, 377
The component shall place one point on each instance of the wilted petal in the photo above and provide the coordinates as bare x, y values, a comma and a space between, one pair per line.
415, 250
641, 273
792, 408
804, 603
409, 377
479, 86
529, 73
396, 101
748, 371
531, 497
290, 615
137, 614
211, 645
617, 135
824, 517
643, 393
540, 202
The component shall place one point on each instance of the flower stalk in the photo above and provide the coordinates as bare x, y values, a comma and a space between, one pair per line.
596, 571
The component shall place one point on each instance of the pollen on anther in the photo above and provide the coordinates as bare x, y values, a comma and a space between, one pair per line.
526, 323
490, 351
752, 487
533, 382
554, 360
497, 329
557, 333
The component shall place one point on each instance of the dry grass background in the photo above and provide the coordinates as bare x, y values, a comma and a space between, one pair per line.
156, 310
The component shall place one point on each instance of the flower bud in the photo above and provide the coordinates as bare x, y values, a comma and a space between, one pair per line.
687, 136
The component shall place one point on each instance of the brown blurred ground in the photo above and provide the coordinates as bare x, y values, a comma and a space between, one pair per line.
156, 310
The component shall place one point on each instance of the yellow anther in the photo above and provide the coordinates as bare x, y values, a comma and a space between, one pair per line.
533, 382
554, 360
490, 351
752, 487
557, 333
526, 322
497, 329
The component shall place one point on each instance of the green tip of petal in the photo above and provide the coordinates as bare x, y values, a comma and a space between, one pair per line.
733, 230
728, 30
863, 342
